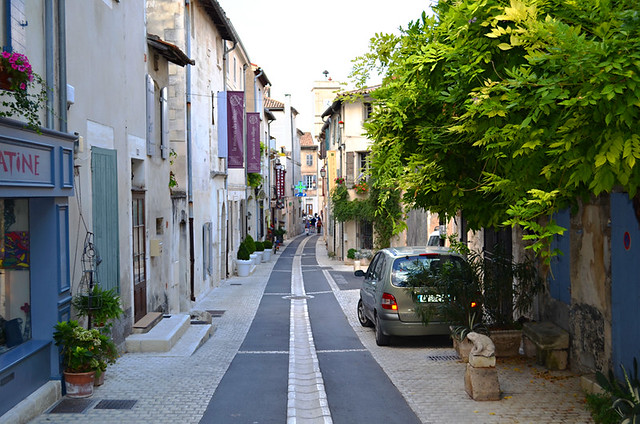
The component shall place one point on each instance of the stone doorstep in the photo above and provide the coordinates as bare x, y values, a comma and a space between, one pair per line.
162, 337
146, 323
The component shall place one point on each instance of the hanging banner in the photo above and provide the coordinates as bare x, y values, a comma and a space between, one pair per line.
235, 122
253, 142
223, 135
280, 183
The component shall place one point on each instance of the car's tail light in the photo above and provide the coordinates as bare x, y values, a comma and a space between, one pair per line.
389, 302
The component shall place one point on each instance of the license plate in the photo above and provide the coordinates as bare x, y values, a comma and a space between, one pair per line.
430, 298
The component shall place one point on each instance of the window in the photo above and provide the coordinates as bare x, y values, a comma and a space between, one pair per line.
309, 160
367, 111
363, 161
310, 181
15, 285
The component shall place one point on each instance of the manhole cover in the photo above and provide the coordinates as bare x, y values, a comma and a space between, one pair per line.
115, 404
71, 406
443, 357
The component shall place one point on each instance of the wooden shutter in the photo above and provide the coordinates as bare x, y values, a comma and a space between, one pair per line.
104, 184
350, 162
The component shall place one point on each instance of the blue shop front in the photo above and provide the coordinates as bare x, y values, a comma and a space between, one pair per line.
36, 182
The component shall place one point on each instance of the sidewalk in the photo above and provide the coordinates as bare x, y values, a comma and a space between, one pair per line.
178, 389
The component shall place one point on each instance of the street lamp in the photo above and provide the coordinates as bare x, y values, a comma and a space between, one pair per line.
323, 173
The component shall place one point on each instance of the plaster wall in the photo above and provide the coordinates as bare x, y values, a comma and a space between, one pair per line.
109, 109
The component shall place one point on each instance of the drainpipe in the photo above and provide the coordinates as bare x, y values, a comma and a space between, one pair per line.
225, 55
189, 153
244, 152
258, 106
62, 66
49, 37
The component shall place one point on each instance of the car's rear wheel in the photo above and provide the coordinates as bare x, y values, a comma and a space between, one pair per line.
381, 339
362, 316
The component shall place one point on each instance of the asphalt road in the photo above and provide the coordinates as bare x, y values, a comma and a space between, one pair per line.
255, 387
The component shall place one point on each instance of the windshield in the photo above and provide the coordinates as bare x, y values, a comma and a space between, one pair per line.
402, 267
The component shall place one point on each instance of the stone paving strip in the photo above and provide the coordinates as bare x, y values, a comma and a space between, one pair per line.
307, 399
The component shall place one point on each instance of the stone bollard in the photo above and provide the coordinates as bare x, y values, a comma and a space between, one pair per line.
481, 376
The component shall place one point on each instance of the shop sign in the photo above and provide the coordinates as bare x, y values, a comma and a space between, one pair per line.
23, 163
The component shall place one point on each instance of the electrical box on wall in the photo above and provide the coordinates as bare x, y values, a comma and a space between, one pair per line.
155, 247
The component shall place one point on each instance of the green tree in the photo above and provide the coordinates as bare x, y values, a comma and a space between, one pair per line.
508, 110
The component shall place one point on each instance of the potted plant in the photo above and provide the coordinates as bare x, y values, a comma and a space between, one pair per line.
260, 250
243, 260
100, 306
23, 91
266, 255
509, 289
84, 353
251, 246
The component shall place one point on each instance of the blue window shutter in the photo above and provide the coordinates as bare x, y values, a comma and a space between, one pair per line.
164, 123
104, 184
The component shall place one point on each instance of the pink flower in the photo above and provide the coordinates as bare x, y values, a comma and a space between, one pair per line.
6, 54
23, 86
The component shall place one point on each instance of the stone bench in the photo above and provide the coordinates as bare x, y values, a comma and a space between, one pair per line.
548, 343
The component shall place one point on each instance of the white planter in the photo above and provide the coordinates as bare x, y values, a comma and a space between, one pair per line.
244, 267
254, 258
266, 255
260, 253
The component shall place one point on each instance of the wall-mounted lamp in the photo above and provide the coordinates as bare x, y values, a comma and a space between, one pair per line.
323, 172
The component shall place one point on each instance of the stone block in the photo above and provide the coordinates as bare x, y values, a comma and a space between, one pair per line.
546, 335
554, 359
482, 383
529, 348
478, 361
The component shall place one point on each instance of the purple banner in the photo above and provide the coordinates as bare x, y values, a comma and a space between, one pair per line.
235, 122
253, 142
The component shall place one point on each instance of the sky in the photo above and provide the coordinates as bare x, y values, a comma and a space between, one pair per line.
294, 41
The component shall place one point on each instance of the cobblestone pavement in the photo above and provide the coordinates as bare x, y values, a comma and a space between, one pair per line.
178, 389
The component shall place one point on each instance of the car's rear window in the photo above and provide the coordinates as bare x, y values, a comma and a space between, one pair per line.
402, 267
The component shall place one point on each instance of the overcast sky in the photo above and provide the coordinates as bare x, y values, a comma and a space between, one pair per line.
294, 41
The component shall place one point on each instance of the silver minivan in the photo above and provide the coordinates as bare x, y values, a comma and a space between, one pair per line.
385, 301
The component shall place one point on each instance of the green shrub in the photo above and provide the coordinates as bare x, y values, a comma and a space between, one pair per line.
267, 244
243, 252
601, 410
351, 253
251, 244
259, 246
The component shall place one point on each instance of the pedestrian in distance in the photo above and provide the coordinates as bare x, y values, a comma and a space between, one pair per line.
319, 226
313, 224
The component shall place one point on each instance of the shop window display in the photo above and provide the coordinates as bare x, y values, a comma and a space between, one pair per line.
15, 293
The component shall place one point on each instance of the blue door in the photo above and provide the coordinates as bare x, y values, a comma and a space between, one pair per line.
625, 282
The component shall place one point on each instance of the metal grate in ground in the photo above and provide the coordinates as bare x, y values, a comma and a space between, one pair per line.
71, 406
235, 284
443, 357
217, 313
115, 404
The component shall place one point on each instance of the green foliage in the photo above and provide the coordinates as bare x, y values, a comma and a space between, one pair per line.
172, 177
600, 407
351, 253
243, 252
83, 350
267, 244
259, 246
457, 287
250, 243
508, 111
102, 306
382, 207
625, 395
254, 180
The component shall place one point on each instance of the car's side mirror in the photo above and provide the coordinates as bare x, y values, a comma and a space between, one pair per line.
359, 273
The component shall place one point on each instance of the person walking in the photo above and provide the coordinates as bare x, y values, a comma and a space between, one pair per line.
313, 224
319, 226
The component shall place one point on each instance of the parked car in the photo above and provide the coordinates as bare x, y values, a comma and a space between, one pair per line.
385, 302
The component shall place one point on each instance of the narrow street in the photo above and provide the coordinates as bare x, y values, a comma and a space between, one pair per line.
288, 348
316, 367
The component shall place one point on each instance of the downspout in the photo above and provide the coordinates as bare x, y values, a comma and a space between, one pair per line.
256, 96
49, 37
244, 153
189, 153
62, 66
341, 147
225, 54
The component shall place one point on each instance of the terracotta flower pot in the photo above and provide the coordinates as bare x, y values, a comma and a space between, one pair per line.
99, 380
79, 385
